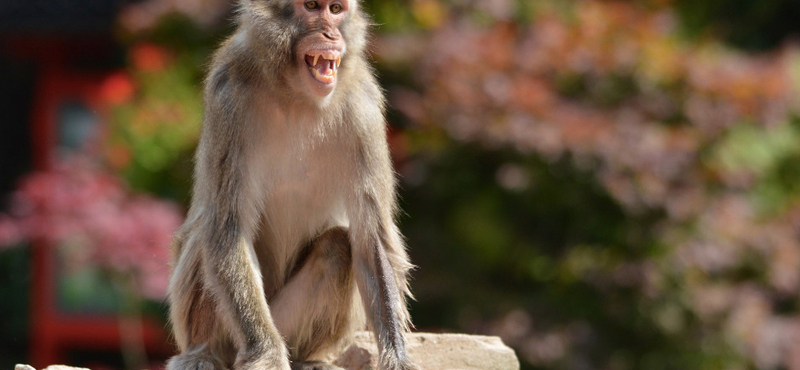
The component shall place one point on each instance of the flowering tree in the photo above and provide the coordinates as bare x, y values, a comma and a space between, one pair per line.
627, 197
95, 220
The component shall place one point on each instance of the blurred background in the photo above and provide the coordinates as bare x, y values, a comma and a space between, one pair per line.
603, 184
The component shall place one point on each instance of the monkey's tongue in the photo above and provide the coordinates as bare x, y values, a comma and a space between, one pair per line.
324, 70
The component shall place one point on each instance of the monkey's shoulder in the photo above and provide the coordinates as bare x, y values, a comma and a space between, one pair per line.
234, 66
363, 102
230, 77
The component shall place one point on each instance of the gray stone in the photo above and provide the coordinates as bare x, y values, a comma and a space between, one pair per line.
436, 352
51, 367
428, 351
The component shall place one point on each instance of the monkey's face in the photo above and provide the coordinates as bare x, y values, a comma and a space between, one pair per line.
319, 52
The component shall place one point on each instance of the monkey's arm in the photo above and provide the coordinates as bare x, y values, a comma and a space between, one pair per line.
227, 200
382, 294
379, 258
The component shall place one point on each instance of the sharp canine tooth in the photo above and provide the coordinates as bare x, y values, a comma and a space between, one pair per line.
316, 57
338, 61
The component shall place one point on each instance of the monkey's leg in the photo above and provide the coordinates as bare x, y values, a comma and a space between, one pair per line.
193, 319
314, 311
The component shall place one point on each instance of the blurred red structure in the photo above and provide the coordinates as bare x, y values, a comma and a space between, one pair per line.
69, 72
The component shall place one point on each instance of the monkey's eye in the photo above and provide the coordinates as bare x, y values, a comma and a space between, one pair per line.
336, 8
311, 5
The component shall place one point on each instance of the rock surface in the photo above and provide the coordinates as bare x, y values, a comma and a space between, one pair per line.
436, 352
428, 351
51, 367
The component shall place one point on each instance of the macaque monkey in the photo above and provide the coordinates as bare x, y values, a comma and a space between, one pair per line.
290, 244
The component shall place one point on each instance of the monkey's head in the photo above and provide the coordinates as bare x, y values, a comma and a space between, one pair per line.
308, 42
318, 54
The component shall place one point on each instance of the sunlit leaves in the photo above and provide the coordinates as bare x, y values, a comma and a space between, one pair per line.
155, 131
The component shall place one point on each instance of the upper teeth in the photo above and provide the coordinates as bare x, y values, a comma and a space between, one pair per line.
326, 55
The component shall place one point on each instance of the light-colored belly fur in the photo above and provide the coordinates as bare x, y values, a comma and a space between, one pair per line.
307, 180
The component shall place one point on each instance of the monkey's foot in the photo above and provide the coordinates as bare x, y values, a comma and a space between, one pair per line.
314, 365
194, 361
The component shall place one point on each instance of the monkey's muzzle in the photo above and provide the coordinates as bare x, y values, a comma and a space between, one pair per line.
323, 64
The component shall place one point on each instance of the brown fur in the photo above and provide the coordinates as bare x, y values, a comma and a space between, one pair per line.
290, 244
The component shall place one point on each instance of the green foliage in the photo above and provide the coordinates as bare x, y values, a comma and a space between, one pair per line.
597, 189
751, 24
551, 247
160, 129
155, 131
770, 156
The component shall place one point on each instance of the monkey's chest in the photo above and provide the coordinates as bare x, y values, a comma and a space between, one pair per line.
298, 187
305, 193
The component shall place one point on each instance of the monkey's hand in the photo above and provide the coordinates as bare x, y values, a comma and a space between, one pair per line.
314, 365
272, 359
264, 364
405, 364
408, 366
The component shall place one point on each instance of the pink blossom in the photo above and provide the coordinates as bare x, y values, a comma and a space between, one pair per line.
125, 233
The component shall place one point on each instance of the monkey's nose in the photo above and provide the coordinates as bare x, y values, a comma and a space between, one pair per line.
331, 35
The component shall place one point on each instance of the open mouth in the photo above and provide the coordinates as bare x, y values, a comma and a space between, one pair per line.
323, 65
